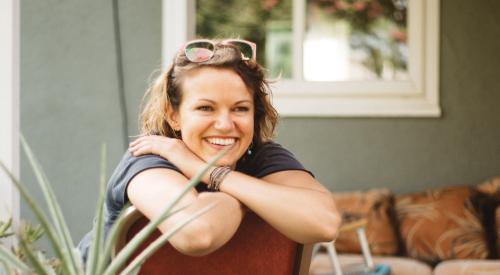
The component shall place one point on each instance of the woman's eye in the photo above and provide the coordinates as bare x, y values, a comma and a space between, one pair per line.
241, 109
205, 108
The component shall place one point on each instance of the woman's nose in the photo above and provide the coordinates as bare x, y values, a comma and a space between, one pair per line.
224, 122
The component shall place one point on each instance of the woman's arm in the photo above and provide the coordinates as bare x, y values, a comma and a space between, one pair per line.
292, 201
151, 190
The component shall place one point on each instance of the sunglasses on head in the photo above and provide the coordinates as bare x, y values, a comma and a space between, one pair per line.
202, 50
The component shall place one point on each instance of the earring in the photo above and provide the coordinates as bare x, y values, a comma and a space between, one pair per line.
249, 150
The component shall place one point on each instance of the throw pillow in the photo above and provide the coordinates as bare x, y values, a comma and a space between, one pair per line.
487, 202
376, 206
441, 224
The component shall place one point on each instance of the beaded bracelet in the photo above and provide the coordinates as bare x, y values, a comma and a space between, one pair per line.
217, 176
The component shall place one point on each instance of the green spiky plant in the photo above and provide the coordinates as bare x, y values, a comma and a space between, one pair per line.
67, 256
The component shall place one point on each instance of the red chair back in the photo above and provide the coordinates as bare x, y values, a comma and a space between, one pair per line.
256, 248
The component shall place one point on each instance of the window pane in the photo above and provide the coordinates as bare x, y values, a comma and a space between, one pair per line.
356, 40
265, 22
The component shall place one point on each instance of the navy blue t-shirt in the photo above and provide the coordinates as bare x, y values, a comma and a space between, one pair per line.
266, 159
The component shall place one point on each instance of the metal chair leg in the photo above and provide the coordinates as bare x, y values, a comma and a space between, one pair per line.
367, 256
334, 259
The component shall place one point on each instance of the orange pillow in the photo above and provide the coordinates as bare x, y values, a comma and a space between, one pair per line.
491, 188
376, 205
441, 224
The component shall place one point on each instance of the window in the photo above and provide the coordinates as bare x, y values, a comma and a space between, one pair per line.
353, 58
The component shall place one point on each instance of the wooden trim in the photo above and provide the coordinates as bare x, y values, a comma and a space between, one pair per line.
304, 255
9, 108
131, 216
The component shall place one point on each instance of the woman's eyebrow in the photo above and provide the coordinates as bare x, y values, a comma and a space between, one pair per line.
206, 99
237, 102
243, 101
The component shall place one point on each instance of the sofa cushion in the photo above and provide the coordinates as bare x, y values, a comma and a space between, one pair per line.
376, 206
321, 264
463, 267
441, 224
487, 203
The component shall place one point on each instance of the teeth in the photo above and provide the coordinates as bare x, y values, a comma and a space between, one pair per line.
221, 141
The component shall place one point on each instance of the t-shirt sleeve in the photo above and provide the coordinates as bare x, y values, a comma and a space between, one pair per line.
127, 169
272, 158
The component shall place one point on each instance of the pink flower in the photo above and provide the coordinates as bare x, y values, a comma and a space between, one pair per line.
359, 5
269, 4
375, 10
399, 35
341, 5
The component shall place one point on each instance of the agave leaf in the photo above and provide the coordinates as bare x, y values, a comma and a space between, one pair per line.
135, 271
113, 236
110, 240
54, 209
4, 226
150, 249
11, 260
37, 265
6, 268
125, 253
96, 246
31, 233
51, 234
48, 268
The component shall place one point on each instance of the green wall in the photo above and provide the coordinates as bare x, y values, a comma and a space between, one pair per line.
70, 105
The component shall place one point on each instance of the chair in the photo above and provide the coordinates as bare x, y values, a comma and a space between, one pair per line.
256, 248
368, 267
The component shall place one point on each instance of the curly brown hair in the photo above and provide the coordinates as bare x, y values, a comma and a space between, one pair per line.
165, 92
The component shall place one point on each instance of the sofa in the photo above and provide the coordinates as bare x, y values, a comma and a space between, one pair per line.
447, 230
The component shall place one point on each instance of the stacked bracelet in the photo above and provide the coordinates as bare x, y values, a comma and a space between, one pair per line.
217, 176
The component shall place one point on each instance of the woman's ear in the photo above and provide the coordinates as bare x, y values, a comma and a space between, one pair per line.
173, 119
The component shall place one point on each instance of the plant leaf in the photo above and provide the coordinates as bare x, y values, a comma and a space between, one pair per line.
54, 209
48, 268
96, 246
125, 253
11, 260
4, 226
151, 248
114, 232
54, 241
35, 262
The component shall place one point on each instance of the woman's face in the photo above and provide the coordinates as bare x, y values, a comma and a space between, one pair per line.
216, 111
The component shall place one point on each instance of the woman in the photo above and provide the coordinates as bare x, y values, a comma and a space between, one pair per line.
215, 96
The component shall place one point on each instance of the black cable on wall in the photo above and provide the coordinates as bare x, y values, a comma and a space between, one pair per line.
119, 72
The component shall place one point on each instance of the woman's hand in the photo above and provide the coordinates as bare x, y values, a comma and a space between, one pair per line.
158, 145
172, 149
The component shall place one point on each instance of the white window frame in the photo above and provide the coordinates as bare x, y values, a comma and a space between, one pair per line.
417, 97
9, 107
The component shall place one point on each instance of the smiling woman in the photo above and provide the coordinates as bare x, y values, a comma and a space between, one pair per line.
214, 97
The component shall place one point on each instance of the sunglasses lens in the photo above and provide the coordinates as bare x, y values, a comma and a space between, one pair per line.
199, 51
245, 49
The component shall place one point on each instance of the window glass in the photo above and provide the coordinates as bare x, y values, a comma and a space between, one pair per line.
355, 40
344, 40
265, 22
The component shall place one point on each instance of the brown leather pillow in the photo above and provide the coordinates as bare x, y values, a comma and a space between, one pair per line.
376, 206
441, 224
489, 207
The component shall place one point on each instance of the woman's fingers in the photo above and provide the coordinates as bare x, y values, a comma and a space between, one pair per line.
141, 149
150, 145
